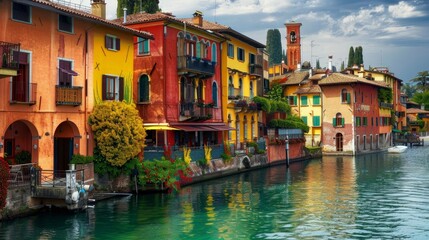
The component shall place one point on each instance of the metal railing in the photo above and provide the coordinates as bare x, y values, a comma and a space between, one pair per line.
197, 110
197, 64
20, 175
52, 178
7, 53
68, 95
24, 96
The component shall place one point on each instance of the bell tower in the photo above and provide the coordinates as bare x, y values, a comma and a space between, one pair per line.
293, 44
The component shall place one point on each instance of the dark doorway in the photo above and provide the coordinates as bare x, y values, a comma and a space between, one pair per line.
339, 142
63, 151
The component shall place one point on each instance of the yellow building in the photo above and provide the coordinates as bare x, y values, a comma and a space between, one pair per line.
242, 68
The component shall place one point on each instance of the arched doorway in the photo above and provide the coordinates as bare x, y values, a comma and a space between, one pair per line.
66, 140
339, 142
21, 142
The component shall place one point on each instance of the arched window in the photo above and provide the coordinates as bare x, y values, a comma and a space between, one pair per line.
230, 125
251, 89
214, 52
231, 87
214, 93
144, 88
339, 120
345, 96
237, 129
245, 130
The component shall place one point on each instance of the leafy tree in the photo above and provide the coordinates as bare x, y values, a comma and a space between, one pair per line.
133, 6
274, 46
409, 89
351, 57
422, 98
421, 81
385, 95
318, 64
118, 131
276, 93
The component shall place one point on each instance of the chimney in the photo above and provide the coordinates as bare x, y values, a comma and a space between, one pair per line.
198, 18
98, 8
125, 15
361, 72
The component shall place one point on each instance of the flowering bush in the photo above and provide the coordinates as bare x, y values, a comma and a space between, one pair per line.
4, 177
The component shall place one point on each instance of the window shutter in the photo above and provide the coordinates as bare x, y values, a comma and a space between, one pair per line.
146, 46
342, 121
121, 88
103, 87
118, 44
348, 97
316, 121
304, 119
106, 42
334, 122
295, 99
199, 50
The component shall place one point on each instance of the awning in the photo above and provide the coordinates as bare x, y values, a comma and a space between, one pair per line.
160, 128
396, 131
69, 71
201, 127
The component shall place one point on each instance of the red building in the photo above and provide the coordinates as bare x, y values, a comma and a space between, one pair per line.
177, 81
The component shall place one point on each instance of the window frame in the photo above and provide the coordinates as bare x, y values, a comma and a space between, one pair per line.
230, 50
143, 99
241, 54
30, 13
71, 23
144, 45
120, 85
62, 73
115, 44
314, 99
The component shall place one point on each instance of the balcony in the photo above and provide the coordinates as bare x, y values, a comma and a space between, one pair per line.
24, 96
71, 96
195, 111
9, 65
234, 93
201, 68
386, 105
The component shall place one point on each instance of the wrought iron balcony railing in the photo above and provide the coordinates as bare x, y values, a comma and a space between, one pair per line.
197, 65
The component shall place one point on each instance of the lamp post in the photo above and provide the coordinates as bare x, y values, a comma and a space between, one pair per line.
287, 152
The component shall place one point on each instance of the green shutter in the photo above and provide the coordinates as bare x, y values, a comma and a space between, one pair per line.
342, 121
303, 100
295, 100
316, 100
348, 97
304, 119
198, 49
334, 122
316, 121
146, 46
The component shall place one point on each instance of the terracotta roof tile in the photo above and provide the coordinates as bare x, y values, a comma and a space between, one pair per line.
295, 78
89, 17
309, 89
416, 110
339, 78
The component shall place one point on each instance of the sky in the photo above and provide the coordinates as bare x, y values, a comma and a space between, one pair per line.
393, 34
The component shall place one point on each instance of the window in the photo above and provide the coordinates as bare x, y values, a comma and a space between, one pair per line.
292, 100
200, 87
112, 43
230, 50
316, 100
345, 96
240, 54
237, 129
21, 87
65, 23
231, 87
304, 101
251, 58
230, 126
316, 121
245, 130
251, 89
143, 46
214, 94
365, 121
65, 73
214, 53
112, 88
21, 12
338, 120
240, 86
304, 119
144, 90
358, 122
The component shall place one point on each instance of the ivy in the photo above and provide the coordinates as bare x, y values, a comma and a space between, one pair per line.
385, 95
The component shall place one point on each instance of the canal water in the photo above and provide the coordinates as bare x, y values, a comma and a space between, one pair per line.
373, 196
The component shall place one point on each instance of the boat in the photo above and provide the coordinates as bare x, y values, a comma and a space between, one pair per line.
397, 149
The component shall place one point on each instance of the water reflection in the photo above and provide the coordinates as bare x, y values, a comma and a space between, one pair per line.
369, 196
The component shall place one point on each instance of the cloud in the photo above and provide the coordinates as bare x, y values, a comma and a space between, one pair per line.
404, 10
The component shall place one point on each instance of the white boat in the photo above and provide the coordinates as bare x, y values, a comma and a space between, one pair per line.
397, 149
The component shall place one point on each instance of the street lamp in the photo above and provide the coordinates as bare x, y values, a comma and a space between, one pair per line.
287, 152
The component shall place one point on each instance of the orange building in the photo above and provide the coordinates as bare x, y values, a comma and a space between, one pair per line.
46, 80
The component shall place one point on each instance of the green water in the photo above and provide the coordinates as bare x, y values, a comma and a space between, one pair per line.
374, 196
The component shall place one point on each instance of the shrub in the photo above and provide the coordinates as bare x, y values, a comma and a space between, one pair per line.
80, 159
264, 103
23, 157
4, 177
163, 171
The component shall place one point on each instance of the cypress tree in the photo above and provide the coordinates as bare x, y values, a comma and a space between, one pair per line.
274, 46
351, 57
356, 57
317, 64
360, 55
342, 65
